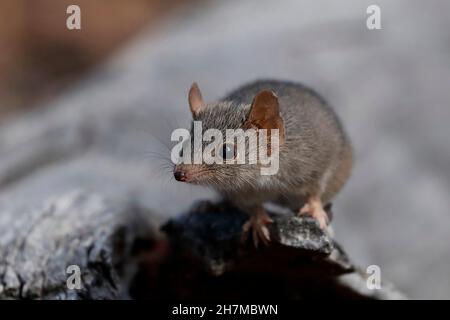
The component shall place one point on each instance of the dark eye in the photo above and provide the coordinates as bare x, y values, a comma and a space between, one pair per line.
228, 151
181, 153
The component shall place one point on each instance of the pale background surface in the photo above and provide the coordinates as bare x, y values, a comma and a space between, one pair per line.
390, 87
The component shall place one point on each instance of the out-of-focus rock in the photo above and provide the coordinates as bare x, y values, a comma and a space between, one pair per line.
43, 250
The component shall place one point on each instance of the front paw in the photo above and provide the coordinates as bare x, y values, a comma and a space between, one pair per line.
315, 211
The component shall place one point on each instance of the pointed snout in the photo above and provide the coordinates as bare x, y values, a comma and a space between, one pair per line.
179, 174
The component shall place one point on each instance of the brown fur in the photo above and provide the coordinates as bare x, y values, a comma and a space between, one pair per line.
315, 153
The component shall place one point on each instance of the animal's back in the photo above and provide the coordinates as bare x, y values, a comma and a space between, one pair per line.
301, 107
316, 144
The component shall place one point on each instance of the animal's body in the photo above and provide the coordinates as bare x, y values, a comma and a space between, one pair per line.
315, 155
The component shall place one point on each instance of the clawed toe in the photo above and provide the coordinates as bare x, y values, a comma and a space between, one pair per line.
314, 209
258, 225
262, 234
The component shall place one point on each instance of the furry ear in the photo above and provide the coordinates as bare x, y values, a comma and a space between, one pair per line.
265, 113
195, 99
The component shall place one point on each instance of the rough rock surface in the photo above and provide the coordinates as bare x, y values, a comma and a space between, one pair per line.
209, 259
120, 256
214, 234
78, 229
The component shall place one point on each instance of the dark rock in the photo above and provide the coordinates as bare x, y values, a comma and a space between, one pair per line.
120, 256
208, 259
212, 233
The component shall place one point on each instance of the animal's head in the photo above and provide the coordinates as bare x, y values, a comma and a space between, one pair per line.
229, 145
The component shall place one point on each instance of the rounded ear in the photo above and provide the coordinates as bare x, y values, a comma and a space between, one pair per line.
195, 99
265, 113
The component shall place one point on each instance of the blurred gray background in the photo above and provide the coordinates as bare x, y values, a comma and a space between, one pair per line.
391, 88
